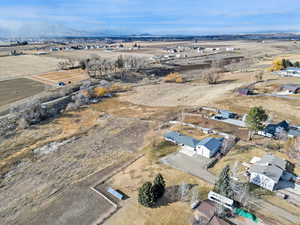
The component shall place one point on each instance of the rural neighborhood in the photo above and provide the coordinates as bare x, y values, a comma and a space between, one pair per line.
170, 126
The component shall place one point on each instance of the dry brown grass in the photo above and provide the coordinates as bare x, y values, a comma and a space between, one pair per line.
62, 128
131, 213
280, 109
26, 65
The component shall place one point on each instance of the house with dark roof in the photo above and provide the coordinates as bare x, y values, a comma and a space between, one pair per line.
267, 171
207, 147
274, 130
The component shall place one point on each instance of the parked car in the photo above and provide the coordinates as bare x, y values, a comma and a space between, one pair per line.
61, 84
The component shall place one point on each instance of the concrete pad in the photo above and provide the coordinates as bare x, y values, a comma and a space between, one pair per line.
192, 165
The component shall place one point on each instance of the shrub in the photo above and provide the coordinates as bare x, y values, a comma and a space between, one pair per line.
174, 78
100, 92
211, 76
146, 196
158, 186
149, 194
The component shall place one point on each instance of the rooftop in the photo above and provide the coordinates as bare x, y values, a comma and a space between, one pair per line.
210, 143
272, 160
269, 165
293, 68
182, 139
271, 171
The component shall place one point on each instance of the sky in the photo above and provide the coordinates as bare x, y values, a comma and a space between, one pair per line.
159, 17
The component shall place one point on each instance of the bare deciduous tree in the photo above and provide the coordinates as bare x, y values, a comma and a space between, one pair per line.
293, 149
259, 76
66, 64
211, 76
100, 68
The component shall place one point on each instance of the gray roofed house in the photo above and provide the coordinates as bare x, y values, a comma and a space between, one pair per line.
267, 171
273, 160
181, 139
207, 147
272, 172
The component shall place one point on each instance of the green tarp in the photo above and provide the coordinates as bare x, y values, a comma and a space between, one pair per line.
245, 214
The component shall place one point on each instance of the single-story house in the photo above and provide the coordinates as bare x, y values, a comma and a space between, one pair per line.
291, 88
267, 171
207, 147
273, 130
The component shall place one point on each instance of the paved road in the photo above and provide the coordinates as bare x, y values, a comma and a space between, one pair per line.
193, 166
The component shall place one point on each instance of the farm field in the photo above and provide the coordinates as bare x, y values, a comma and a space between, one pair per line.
82, 54
25, 65
17, 89
52, 78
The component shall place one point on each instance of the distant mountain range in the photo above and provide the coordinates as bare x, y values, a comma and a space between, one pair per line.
51, 31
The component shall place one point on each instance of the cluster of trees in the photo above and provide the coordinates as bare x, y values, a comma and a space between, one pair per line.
280, 64
149, 193
230, 188
31, 112
100, 68
67, 64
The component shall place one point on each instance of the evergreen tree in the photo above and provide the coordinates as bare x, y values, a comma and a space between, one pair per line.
255, 119
297, 64
222, 185
159, 185
146, 196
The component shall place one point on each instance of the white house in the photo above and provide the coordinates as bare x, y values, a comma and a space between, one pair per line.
267, 171
207, 147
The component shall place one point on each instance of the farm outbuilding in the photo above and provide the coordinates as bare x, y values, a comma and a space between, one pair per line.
244, 91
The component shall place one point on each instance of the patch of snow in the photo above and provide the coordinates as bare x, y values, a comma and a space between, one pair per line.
51, 147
